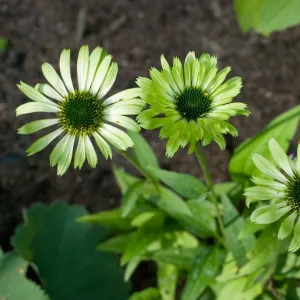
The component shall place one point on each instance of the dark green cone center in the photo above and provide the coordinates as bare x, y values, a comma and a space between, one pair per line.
193, 104
293, 192
81, 113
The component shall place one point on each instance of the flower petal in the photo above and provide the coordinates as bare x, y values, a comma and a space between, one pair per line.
280, 156
287, 226
90, 152
269, 213
124, 95
100, 74
80, 153
33, 94
109, 80
269, 183
295, 244
43, 142
49, 91
33, 107
262, 193
103, 145
66, 158
119, 133
37, 125
58, 150
124, 122
94, 64
65, 69
82, 67
268, 168
53, 78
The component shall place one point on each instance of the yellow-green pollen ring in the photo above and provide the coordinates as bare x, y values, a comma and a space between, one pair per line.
81, 113
193, 103
293, 192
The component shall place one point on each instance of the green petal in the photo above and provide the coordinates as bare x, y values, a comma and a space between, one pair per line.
66, 158
83, 67
268, 168
218, 80
58, 150
295, 244
124, 122
269, 183
280, 156
172, 145
79, 154
262, 193
95, 59
119, 133
65, 69
103, 146
33, 94
100, 74
43, 142
298, 159
53, 78
188, 68
124, 95
33, 107
36, 126
49, 91
165, 65
109, 80
90, 152
269, 213
287, 226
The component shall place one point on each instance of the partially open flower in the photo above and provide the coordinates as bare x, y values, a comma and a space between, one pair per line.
81, 113
282, 189
190, 102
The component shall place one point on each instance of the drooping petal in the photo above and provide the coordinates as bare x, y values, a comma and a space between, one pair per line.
80, 153
287, 226
295, 244
103, 145
91, 155
59, 149
66, 157
37, 125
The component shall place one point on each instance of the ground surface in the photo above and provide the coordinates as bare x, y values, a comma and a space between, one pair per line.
136, 33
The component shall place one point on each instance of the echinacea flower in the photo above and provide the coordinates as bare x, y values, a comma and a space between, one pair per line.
190, 102
83, 112
281, 186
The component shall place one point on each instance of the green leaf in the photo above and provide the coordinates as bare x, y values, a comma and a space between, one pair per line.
147, 294
142, 151
291, 269
282, 128
167, 276
116, 244
278, 15
181, 258
184, 184
205, 268
233, 224
250, 228
109, 218
13, 283
65, 254
225, 187
3, 44
124, 179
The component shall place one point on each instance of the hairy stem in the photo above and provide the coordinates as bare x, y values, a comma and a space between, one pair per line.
209, 182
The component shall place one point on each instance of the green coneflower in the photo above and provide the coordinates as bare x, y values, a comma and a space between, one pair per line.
190, 102
282, 187
81, 113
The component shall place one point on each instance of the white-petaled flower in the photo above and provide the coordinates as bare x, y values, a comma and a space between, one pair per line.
190, 102
81, 113
281, 186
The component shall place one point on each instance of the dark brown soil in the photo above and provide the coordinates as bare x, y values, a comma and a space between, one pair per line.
136, 33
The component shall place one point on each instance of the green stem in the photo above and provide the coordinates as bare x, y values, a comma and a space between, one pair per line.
209, 182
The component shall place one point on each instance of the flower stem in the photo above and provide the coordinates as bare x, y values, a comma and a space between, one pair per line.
209, 182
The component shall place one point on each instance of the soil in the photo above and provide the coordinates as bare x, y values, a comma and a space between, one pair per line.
136, 33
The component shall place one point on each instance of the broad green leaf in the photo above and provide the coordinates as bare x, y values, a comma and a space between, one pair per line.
278, 15
225, 187
248, 12
124, 179
131, 267
181, 258
250, 228
13, 282
233, 223
205, 268
167, 276
116, 244
65, 254
229, 270
282, 128
142, 151
147, 294
184, 184
109, 218
291, 268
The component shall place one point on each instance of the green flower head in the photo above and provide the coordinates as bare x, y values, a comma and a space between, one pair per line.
81, 113
190, 102
281, 187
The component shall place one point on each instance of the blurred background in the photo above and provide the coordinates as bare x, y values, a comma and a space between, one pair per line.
136, 33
